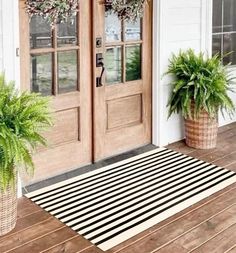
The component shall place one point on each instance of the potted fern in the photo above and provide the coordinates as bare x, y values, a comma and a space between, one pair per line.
23, 116
200, 90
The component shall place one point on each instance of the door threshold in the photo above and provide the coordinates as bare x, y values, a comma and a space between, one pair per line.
87, 168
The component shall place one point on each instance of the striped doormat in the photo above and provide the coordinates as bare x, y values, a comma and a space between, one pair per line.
114, 203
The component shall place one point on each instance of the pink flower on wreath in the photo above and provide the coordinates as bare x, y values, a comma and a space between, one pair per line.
54, 11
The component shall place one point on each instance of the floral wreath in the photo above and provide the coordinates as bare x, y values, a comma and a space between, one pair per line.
129, 10
54, 11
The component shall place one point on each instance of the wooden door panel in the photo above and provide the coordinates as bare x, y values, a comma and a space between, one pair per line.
124, 112
70, 132
57, 160
125, 139
71, 100
70, 138
126, 90
122, 106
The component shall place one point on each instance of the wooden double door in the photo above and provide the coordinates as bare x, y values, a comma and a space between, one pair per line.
97, 71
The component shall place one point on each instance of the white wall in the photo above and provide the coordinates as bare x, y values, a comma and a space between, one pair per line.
9, 42
1, 36
178, 24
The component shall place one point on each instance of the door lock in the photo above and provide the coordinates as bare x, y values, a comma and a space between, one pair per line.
99, 60
98, 42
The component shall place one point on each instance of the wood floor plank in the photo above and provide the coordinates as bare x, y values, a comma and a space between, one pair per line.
29, 234
226, 128
170, 232
226, 135
181, 147
199, 153
221, 158
219, 153
226, 160
204, 231
91, 250
47, 241
175, 249
223, 242
232, 166
73, 245
177, 144
231, 250
27, 222
26, 207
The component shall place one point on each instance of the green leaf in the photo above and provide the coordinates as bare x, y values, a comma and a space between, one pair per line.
200, 79
23, 117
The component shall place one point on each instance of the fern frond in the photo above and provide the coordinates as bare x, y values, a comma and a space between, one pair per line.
23, 118
200, 79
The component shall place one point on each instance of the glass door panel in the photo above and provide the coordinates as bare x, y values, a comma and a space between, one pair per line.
67, 71
67, 34
123, 50
54, 56
41, 74
133, 59
113, 62
40, 33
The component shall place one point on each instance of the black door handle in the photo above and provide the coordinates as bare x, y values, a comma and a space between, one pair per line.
99, 79
99, 63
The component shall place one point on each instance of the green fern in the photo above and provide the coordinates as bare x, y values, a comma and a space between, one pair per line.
133, 66
202, 80
23, 118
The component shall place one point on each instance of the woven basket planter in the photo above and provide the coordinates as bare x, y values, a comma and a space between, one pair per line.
201, 133
8, 209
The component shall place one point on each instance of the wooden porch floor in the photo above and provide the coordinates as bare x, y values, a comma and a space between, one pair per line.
207, 227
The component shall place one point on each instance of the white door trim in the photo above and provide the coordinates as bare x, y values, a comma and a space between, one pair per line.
11, 40
10, 43
156, 70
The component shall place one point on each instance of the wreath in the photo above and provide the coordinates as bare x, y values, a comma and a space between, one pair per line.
128, 10
54, 11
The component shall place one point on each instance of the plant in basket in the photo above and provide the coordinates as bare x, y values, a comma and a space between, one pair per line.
23, 118
199, 90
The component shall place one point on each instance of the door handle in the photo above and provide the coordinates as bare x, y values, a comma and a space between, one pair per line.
100, 63
99, 79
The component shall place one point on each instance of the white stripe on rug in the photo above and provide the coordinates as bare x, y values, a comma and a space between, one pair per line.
112, 204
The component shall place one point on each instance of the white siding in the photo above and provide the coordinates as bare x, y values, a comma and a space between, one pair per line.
226, 119
180, 28
182, 24
9, 39
1, 36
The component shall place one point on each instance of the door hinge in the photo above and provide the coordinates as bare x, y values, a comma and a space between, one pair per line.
17, 52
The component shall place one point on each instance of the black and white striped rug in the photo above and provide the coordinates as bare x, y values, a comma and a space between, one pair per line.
114, 203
